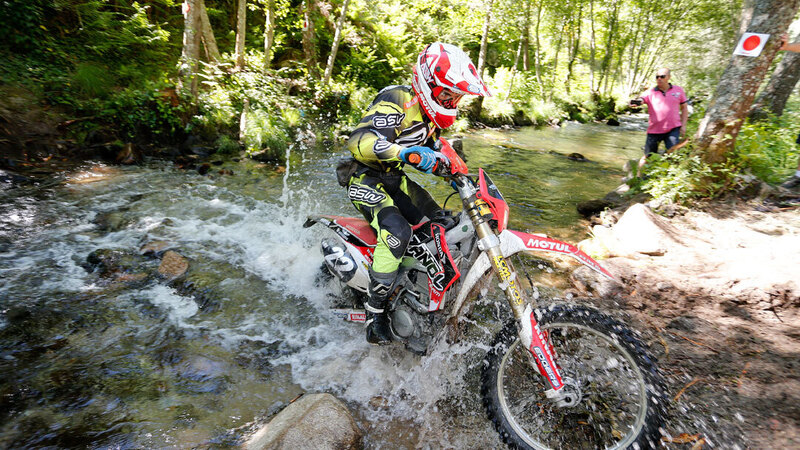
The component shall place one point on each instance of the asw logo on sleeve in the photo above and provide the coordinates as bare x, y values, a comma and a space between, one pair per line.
364, 195
388, 120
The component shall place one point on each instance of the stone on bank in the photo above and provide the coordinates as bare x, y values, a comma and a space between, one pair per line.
314, 421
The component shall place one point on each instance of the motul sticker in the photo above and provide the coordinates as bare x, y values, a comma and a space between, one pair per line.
549, 245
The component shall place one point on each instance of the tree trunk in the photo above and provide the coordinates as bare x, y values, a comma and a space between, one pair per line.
780, 87
591, 47
269, 31
477, 105
526, 38
575, 44
485, 38
605, 65
190, 54
241, 21
555, 64
740, 81
309, 47
209, 42
514, 70
336, 38
537, 52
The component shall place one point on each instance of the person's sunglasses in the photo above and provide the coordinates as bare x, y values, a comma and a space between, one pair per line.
661, 76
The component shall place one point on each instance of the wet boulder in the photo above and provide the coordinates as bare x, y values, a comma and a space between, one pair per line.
173, 265
155, 248
12, 179
111, 221
202, 375
129, 155
577, 157
112, 263
590, 208
318, 421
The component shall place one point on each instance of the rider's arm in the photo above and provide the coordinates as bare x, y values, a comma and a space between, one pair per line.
373, 139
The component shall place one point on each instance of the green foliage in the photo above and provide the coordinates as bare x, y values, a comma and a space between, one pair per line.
22, 25
678, 177
226, 145
153, 112
266, 134
767, 149
91, 80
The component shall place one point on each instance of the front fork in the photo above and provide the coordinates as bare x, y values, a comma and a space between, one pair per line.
537, 342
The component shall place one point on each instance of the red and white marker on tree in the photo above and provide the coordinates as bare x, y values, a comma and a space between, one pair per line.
751, 44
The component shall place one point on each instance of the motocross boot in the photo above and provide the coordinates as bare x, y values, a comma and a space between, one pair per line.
380, 288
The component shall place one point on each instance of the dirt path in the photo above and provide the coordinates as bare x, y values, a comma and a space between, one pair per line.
718, 299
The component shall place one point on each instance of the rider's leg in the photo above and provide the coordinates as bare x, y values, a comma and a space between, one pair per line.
369, 195
420, 198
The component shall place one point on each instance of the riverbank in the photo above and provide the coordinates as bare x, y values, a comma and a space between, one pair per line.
715, 291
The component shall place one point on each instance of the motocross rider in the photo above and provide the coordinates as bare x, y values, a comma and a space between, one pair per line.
400, 127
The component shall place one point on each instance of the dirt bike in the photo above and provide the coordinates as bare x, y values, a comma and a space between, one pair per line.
557, 376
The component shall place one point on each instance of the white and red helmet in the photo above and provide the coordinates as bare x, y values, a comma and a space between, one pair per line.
444, 66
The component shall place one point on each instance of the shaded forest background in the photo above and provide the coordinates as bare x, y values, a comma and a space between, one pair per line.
233, 75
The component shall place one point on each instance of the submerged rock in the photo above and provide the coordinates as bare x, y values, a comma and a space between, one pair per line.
318, 421
129, 155
154, 248
173, 265
577, 157
590, 208
108, 262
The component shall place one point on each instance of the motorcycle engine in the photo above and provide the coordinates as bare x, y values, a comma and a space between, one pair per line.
411, 321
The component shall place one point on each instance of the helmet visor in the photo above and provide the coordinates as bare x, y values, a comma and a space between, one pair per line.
447, 98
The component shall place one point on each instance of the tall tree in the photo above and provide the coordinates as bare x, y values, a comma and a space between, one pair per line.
592, 48
611, 34
575, 40
309, 46
537, 50
241, 29
514, 68
485, 37
717, 132
781, 84
526, 38
269, 31
190, 53
336, 38
209, 42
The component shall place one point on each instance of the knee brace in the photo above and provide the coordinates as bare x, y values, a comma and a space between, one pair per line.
395, 231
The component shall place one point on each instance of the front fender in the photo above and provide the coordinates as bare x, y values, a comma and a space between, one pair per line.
512, 242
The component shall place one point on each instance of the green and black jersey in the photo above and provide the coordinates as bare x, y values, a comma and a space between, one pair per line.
393, 121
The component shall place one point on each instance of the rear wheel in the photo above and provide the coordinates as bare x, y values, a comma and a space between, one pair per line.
620, 390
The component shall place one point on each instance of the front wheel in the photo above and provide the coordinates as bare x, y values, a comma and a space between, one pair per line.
621, 395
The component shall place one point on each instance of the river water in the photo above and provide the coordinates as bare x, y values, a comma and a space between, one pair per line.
114, 356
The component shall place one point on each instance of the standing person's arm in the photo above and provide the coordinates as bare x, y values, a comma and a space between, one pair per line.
789, 47
684, 118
